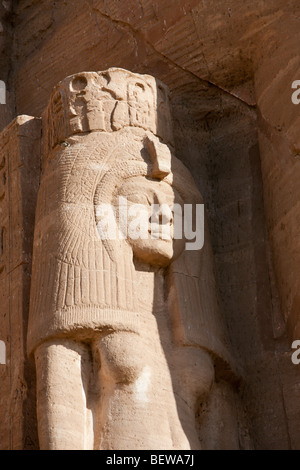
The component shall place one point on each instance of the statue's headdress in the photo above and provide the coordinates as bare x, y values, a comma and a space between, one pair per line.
107, 101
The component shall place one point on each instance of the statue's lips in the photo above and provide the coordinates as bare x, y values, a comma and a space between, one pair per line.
158, 235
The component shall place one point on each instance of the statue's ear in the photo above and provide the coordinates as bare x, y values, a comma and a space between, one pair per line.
193, 303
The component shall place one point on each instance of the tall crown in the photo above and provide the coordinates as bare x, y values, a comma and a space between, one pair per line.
107, 101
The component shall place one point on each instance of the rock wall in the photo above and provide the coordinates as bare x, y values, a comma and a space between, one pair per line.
6, 62
19, 176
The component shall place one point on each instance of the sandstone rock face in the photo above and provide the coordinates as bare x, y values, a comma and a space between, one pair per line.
19, 173
6, 35
229, 67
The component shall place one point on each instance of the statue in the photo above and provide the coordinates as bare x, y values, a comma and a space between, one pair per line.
125, 332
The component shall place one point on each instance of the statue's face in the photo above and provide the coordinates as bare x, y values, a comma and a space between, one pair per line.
158, 199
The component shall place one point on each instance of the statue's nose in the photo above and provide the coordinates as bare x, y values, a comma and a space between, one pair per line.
162, 215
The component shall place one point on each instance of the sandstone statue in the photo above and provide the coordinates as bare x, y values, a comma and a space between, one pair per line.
126, 333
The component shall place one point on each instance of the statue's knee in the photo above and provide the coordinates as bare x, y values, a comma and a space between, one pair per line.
122, 357
197, 372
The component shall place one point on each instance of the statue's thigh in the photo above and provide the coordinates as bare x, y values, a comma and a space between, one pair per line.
62, 361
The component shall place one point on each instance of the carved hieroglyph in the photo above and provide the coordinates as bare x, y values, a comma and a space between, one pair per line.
126, 334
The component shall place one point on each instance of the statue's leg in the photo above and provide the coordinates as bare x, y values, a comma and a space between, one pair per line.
195, 374
64, 422
137, 408
193, 377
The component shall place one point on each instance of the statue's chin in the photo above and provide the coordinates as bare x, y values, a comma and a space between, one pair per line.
158, 253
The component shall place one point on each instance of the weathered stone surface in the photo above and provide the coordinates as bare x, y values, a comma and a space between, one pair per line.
6, 42
19, 175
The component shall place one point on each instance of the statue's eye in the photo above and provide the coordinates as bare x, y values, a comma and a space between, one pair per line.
138, 199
